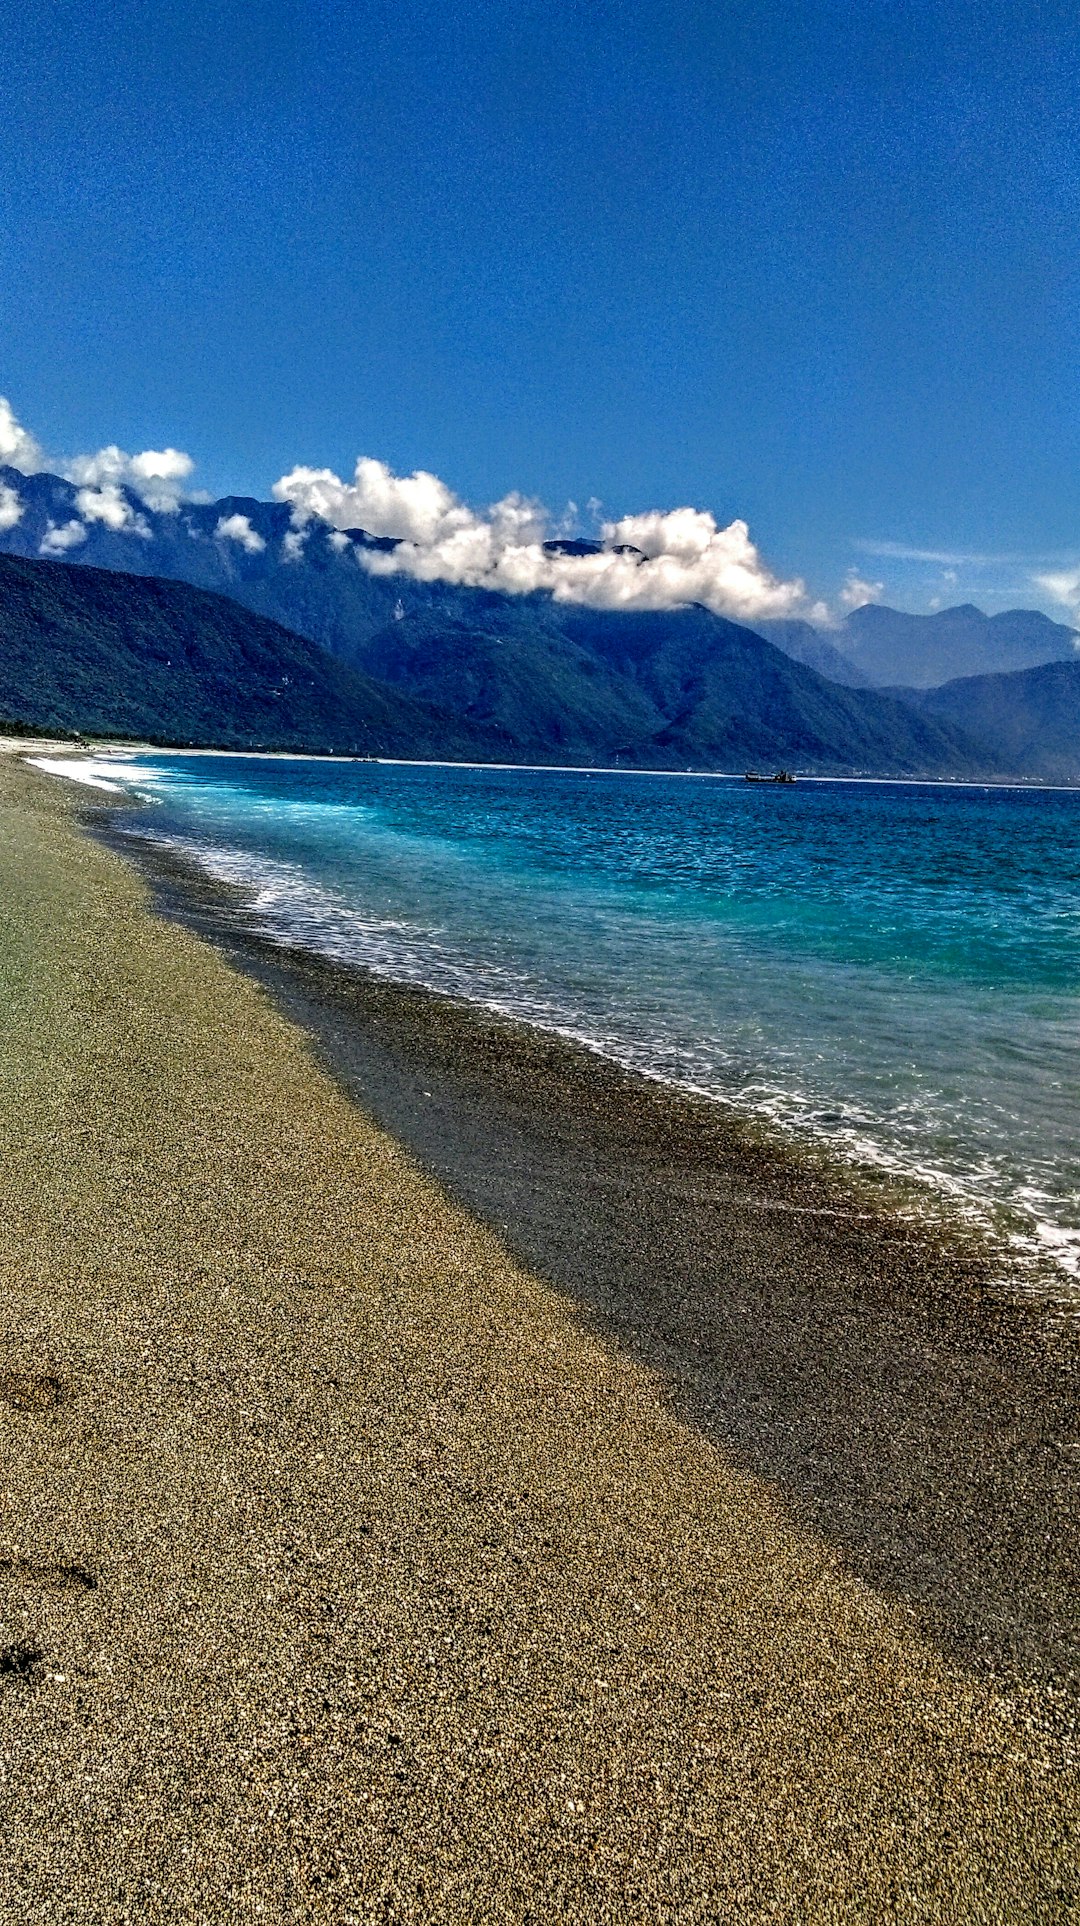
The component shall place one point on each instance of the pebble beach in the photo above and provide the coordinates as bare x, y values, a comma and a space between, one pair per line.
445, 1479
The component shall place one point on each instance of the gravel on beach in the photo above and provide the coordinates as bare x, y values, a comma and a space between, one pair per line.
365, 1560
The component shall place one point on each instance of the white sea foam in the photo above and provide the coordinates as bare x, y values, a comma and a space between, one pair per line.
285, 904
91, 774
113, 772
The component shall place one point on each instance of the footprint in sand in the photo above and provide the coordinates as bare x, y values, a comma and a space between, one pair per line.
27, 1391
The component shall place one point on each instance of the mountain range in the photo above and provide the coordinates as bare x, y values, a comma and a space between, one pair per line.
1028, 721
310, 582
382, 663
95, 651
103, 652
879, 647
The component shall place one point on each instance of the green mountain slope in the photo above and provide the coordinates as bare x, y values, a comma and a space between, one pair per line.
684, 689
735, 700
492, 677
102, 652
507, 668
1029, 720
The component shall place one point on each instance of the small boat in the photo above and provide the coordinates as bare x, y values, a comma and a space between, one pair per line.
782, 775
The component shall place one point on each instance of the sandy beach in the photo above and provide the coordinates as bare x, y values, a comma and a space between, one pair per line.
448, 1479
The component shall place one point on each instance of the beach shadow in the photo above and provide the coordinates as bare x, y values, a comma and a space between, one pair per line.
899, 1405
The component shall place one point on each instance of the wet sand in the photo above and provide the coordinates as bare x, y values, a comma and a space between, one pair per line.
448, 1479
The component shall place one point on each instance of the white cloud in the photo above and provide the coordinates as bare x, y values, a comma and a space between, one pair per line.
57, 540
1062, 585
18, 449
11, 507
156, 476
292, 547
954, 558
414, 508
110, 506
658, 560
856, 593
237, 528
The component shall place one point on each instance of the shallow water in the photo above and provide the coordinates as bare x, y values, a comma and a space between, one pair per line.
891, 969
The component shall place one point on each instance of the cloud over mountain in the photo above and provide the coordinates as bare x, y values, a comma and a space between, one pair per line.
109, 505
237, 528
157, 476
58, 539
657, 560
661, 559
18, 449
11, 507
1063, 585
857, 592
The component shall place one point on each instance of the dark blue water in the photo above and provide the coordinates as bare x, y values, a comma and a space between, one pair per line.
890, 969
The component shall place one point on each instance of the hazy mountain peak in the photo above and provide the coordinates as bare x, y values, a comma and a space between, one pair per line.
891, 647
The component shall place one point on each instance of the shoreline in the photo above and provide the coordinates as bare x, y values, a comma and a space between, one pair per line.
509, 1117
120, 748
1023, 1254
460, 1487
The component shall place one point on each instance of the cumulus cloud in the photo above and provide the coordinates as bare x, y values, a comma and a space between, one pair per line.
1062, 585
57, 540
110, 506
292, 547
415, 508
156, 476
658, 560
237, 528
662, 559
18, 449
856, 593
11, 507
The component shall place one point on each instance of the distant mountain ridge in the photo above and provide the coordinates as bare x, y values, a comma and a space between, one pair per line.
95, 651
514, 678
104, 652
1029, 720
879, 647
816, 648
310, 582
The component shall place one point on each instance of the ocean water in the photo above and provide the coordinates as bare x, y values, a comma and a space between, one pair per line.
892, 970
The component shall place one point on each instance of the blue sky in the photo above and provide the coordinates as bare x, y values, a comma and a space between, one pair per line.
813, 265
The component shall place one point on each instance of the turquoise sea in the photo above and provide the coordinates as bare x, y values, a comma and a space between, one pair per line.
892, 970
